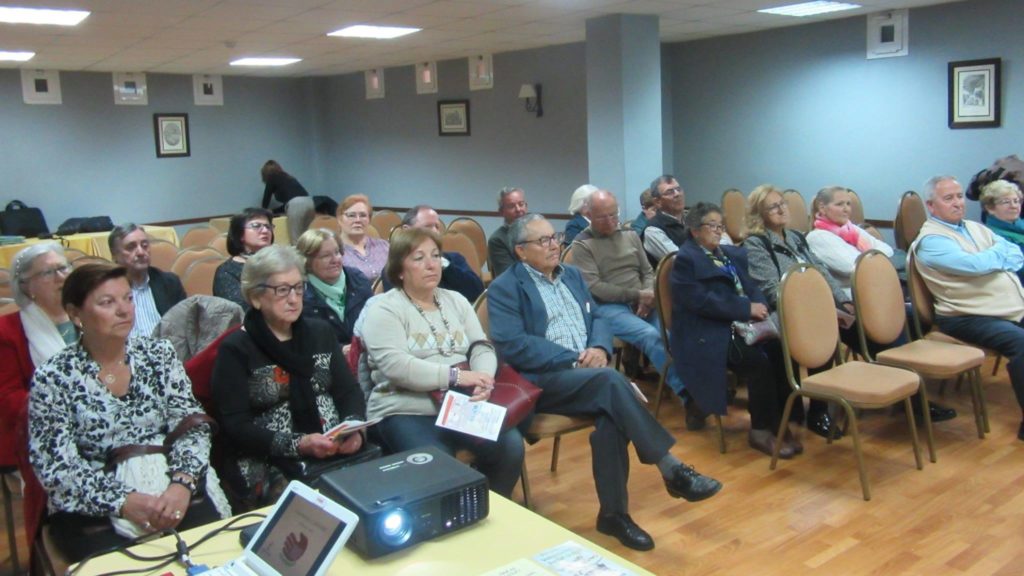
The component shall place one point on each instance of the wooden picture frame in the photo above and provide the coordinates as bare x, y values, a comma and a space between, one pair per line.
453, 117
171, 133
974, 93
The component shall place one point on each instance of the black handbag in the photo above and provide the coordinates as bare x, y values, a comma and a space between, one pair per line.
17, 219
87, 224
308, 470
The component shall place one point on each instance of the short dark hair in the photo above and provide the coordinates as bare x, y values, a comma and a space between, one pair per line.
695, 217
414, 213
86, 278
119, 232
403, 242
270, 167
236, 229
663, 179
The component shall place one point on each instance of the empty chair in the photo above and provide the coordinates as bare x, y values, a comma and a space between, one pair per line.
734, 207
198, 279
220, 244
799, 218
327, 222
73, 254
856, 209
385, 221
200, 235
472, 230
162, 253
456, 242
189, 255
910, 216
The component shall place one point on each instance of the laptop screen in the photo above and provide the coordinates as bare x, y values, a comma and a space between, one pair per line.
297, 540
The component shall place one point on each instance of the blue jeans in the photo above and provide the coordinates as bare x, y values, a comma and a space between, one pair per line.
643, 333
1003, 336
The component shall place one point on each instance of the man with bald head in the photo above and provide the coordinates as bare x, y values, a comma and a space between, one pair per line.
615, 268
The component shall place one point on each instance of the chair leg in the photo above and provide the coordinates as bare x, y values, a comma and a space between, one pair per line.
855, 433
913, 432
658, 394
721, 434
12, 539
926, 410
782, 428
973, 378
981, 398
995, 368
525, 481
554, 453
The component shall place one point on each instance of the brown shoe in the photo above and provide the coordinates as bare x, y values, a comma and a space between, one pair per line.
792, 441
764, 441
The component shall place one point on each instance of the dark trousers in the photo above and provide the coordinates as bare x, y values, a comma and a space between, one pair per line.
501, 461
619, 419
1003, 336
767, 389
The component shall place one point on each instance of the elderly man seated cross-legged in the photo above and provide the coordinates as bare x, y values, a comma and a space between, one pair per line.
972, 274
543, 325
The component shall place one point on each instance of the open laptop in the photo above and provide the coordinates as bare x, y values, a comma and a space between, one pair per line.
300, 537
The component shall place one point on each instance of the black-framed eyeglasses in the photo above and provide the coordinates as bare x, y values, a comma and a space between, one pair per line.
545, 241
283, 290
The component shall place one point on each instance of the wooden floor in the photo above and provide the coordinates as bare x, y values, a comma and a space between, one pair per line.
962, 515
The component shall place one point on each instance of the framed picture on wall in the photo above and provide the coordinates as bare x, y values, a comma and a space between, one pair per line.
453, 117
171, 132
974, 94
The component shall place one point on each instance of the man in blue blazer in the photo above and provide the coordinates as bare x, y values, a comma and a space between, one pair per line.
542, 324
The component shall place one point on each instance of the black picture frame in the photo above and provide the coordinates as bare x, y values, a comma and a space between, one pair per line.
453, 117
975, 95
171, 134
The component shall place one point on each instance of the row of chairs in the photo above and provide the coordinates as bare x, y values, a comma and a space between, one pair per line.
734, 209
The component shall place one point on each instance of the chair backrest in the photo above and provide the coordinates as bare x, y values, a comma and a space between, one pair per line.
856, 208
83, 260
6, 287
472, 229
878, 297
200, 235
873, 231
566, 257
457, 242
198, 277
482, 314
798, 216
909, 219
663, 295
72, 254
810, 331
920, 297
189, 255
220, 244
385, 221
162, 253
325, 221
734, 208
378, 285
370, 231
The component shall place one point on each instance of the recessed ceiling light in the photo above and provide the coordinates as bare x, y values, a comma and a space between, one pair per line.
810, 8
380, 32
265, 61
16, 56
13, 15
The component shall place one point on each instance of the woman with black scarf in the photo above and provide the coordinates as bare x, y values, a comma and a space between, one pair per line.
281, 381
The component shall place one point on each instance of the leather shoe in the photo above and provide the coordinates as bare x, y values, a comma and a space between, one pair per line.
622, 527
691, 485
764, 441
938, 412
696, 419
823, 425
793, 441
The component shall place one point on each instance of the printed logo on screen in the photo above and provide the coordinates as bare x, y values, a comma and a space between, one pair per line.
419, 458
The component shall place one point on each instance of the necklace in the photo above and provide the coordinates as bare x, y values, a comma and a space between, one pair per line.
449, 340
110, 376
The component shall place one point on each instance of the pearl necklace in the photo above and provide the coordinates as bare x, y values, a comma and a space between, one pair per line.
449, 340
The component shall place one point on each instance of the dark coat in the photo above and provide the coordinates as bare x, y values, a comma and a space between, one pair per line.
519, 322
357, 292
704, 305
166, 288
574, 227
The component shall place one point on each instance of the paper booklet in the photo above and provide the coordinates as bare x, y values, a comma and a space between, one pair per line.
481, 419
339, 432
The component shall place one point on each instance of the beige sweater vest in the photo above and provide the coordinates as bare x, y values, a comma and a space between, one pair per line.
997, 294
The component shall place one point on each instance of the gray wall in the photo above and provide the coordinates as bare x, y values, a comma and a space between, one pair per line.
801, 107
90, 157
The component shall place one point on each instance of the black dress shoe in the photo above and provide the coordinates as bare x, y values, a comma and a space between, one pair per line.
696, 419
692, 485
622, 527
938, 412
823, 425
764, 441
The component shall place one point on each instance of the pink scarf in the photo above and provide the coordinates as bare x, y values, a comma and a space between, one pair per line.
847, 232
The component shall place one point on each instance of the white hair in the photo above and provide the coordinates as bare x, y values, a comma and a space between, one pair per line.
933, 182
580, 196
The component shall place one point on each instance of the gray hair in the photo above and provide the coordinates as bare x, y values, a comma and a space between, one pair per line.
274, 259
996, 190
23, 262
580, 197
663, 179
505, 192
517, 232
119, 232
695, 216
933, 182
414, 213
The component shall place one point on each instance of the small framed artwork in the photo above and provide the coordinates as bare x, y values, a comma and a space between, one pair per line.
171, 133
41, 87
130, 89
208, 90
453, 117
481, 72
374, 78
426, 78
974, 93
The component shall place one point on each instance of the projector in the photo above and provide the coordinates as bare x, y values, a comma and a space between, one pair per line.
407, 498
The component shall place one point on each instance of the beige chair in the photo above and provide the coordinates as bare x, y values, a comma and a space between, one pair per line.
385, 221
327, 222
881, 315
798, 215
542, 425
378, 285
82, 261
198, 277
472, 230
189, 255
856, 209
811, 339
220, 244
73, 254
734, 210
162, 253
910, 216
370, 231
198, 236
6, 287
458, 242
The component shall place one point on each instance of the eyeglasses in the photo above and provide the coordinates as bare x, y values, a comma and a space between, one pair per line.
713, 226
258, 226
614, 216
356, 215
63, 270
511, 205
329, 256
671, 192
1008, 202
546, 241
777, 207
283, 290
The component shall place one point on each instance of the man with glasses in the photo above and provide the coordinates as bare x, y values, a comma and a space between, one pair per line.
500, 250
665, 232
543, 324
154, 291
621, 280
972, 274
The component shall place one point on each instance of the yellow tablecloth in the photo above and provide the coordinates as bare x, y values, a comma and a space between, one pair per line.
92, 243
280, 227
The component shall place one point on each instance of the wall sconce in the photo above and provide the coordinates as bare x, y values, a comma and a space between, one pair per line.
531, 93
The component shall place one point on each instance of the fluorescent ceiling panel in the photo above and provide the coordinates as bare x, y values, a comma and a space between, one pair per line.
809, 8
378, 32
13, 15
265, 61
16, 56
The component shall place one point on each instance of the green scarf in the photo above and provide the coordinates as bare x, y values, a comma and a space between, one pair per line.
1013, 232
334, 294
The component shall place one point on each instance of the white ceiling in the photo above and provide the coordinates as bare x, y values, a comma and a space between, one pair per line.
202, 36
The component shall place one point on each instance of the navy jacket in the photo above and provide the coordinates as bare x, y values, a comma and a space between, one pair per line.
704, 305
573, 227
357, 292
458, 277
519, 322
167, 289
